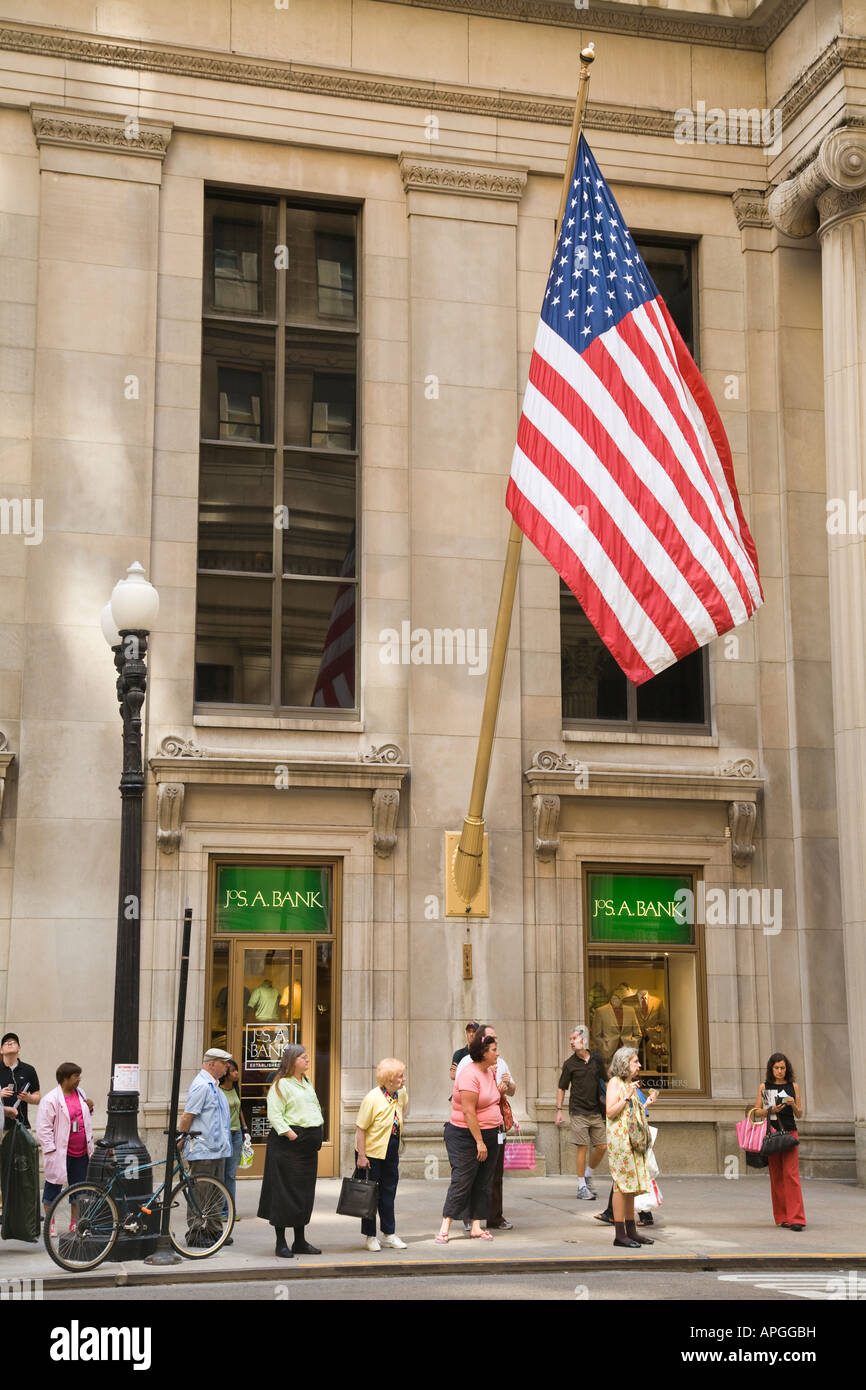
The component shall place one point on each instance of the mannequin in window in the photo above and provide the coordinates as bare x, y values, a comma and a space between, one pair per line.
614, 1025
653, 1021
263, 1002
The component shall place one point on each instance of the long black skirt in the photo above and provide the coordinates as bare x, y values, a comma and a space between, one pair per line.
289, 1181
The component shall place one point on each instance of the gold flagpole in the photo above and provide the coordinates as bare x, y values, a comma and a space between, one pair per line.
466, 871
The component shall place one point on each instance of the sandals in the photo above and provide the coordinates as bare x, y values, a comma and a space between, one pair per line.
442, 1240
482, 1235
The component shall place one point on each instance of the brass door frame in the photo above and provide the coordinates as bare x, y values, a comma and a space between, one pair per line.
696, 948
329, 1155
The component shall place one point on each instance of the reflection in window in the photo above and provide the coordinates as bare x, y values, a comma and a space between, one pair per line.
595, 689
278, 485
240, 236
240, 397
333, 424
236, 266
233, 640
335, 261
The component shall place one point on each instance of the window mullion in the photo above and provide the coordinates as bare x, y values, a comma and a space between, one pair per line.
279, 437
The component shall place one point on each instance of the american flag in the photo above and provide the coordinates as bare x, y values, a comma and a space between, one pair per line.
622, 475
335, 682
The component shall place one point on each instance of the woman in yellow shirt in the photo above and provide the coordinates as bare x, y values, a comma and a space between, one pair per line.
292, 1153
377, 1137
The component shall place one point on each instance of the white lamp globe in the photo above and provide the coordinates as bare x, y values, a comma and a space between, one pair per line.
134, 602
109, 630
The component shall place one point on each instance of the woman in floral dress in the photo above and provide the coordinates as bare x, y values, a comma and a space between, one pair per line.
627, 1167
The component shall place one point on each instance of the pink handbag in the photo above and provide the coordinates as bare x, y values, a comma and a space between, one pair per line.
751, 1136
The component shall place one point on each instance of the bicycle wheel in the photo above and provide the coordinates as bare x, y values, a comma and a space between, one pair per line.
81, 1227
198, 1224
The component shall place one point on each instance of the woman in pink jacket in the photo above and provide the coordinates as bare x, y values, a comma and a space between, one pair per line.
65, 1132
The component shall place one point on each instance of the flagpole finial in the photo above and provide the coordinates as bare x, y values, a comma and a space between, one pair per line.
587, 55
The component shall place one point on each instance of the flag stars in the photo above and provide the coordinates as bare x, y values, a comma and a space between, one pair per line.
559, 282
595, 270
586, 330
593, 289
609, 311
629, 295
573, 294
570, 314
556, 300
597, 255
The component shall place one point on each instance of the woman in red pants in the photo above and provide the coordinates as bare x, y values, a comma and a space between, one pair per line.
779, 1099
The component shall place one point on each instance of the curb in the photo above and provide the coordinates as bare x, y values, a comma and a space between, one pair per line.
124, 1277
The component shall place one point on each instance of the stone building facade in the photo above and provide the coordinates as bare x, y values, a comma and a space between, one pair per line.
271, 276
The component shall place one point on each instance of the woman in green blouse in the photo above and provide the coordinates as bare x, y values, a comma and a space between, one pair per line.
292, 1153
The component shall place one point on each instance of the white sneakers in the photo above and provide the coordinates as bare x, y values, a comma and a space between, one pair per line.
390, 1242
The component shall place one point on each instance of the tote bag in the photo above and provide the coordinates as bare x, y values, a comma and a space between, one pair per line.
751, 1135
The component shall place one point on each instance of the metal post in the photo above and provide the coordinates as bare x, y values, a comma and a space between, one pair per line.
121, 1147
164, 1254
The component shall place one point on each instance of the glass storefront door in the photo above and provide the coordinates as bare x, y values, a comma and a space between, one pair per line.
266, 996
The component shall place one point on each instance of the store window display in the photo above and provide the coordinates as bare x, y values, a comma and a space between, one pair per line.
643, 972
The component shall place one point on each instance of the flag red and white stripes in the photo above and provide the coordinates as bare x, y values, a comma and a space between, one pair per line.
622, 475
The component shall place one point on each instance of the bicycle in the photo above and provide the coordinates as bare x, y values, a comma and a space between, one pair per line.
84, 1222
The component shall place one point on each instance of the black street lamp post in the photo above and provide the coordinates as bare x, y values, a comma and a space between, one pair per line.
126, 622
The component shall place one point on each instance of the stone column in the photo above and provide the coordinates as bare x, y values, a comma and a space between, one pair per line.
830, 196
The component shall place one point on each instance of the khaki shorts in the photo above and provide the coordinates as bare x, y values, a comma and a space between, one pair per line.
586, 1130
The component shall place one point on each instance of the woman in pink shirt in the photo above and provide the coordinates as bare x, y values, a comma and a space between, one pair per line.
471, 1137
65, 1132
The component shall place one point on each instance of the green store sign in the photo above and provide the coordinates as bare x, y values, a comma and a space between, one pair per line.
271, 898
640, 907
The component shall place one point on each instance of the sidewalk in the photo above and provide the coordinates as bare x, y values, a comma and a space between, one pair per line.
705, 1222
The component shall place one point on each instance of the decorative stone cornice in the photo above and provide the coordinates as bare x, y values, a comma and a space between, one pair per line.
844, 51
180, 763
478, 177
645, 22
555, 773
291, 77
62, 125
750, 208
839, 166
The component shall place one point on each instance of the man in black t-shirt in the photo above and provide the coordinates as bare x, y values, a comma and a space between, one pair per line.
471, 1030
18, 1082
585, 1075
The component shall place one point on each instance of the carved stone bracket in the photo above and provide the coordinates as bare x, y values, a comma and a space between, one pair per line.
387, 753
386, 805
479, 178
554, 773
798, 205
98, 130
6, 761
742, 817
548, 760
169, 815
545, 812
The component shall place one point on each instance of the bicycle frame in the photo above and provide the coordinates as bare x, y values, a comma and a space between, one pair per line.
145, 1206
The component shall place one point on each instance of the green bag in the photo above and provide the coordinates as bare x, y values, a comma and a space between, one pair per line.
19, 1178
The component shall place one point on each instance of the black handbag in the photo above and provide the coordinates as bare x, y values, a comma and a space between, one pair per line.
359, 1197
777, 1141
756, 1160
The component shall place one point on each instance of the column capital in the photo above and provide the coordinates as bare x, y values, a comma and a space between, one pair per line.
106, 131
478, 178
832, 185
